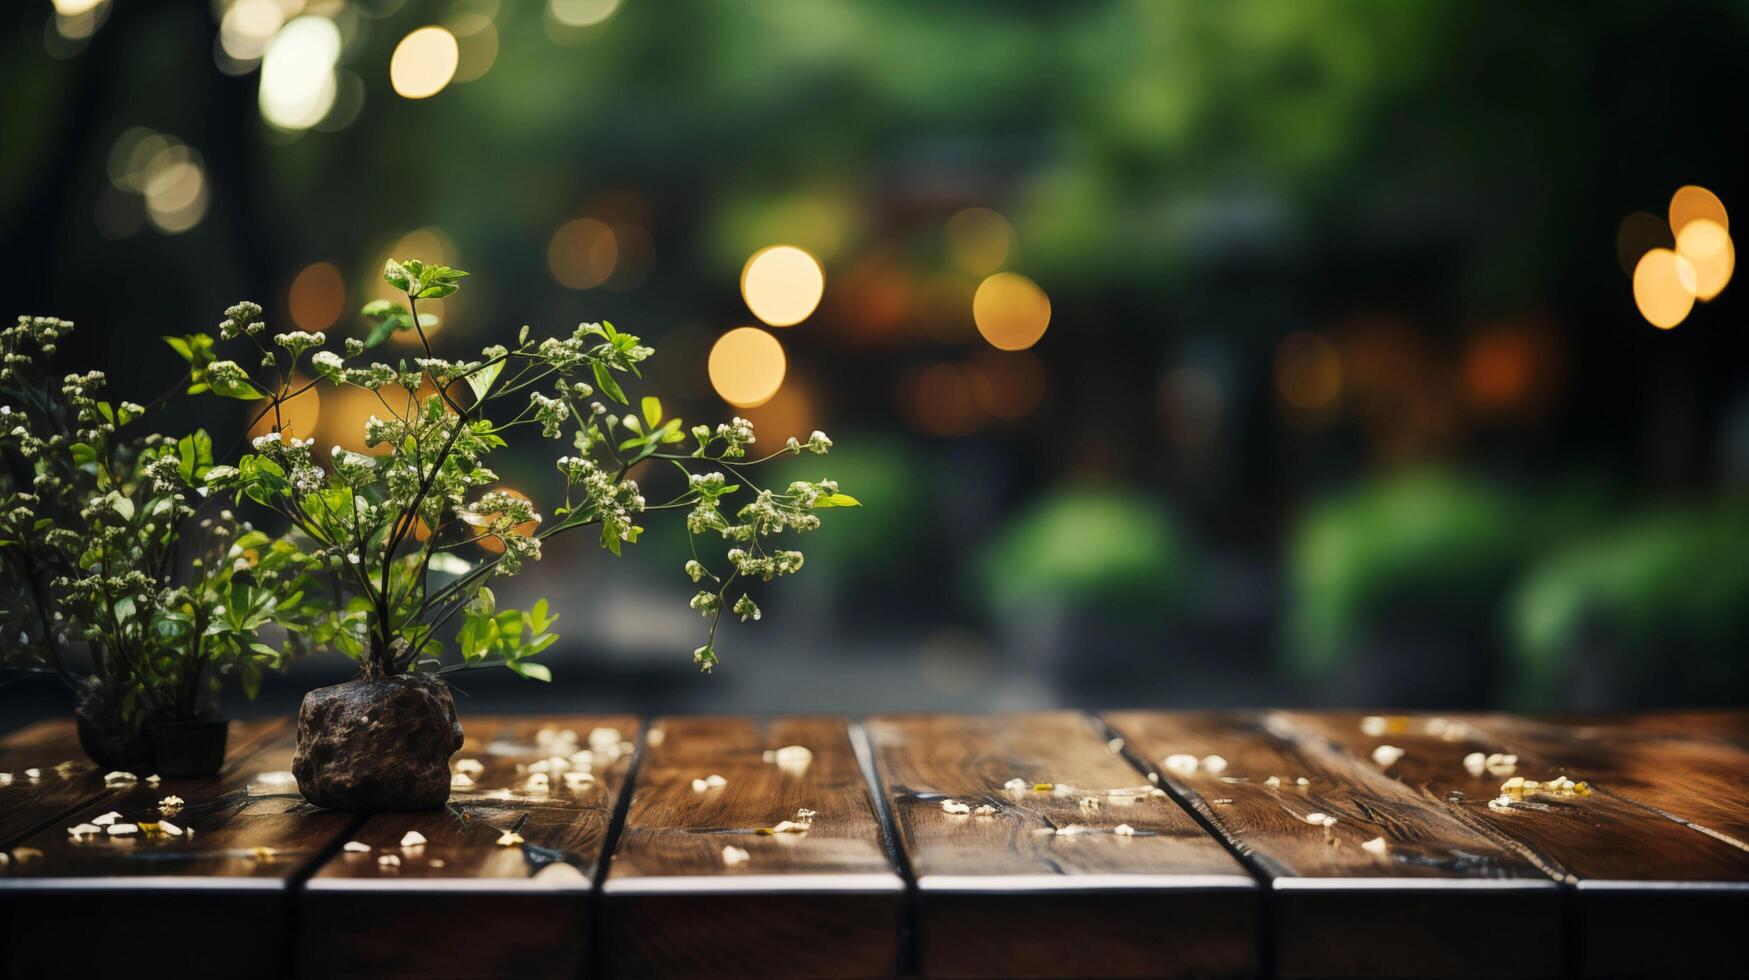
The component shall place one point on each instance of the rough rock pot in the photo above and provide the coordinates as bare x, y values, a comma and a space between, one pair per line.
190, 749
377, 743
109, 739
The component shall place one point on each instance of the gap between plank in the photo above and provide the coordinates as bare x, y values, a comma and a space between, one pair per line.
864, 752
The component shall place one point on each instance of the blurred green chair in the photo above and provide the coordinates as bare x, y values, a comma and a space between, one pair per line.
1654, 612
1394, 589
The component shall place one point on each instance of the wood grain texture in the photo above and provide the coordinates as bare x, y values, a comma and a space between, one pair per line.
28, 804
824, 903
462, 905
231, 872
1436, 902
1661, 840
1007, 895
1691, 767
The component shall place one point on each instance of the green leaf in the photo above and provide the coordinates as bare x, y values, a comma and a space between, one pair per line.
481, 381
437, 290
836, 500
652, 411
605, 382
180, 346
396, 275
241, 388
251, 681
534, 672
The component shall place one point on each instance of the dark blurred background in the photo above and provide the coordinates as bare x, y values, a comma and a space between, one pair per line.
1348, 392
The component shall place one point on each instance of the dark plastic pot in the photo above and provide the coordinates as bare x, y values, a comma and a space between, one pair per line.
109, 739
189, 749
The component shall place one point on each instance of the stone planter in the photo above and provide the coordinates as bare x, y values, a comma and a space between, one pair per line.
109, 739
190, 749
377, 743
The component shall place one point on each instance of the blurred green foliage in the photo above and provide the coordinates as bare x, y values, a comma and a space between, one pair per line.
1101, 550
1663, 599
1430, 545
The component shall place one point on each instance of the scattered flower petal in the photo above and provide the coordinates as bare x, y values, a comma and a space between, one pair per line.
389, 861
413, 838
1124, 830
1375, 846
122, 829
117, 778
955, 806
471, 767
1214, 764
84, 830
107, 819
461, 780
509, 838
169, 829
170, 804
985, 810
355, 847
1181, 764
1387, 755
1476, 763
733, 855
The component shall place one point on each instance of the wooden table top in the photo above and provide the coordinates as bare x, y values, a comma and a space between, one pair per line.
1051, 844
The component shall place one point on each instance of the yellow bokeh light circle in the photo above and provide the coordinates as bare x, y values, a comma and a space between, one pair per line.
583, 253
297, 417
782, 285
1011, 311
317, 297
1706, 244
1691, 203
424, 63
978, 240
582, 13
747, 366
1664, 287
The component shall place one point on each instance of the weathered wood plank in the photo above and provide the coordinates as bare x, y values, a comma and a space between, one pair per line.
1659, 840
826, 902
65, 778
1689, 767
462, 904
243, 843
1442, 898
1046, 885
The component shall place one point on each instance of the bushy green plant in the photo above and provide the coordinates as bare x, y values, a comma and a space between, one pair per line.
107, 543
1662, 594
1095, 549
1425, 545
394, 531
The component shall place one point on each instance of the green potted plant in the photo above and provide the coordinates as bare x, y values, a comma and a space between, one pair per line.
108, 547
394, 531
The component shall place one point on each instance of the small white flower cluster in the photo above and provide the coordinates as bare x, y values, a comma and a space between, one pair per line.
243, 318
551, 413
299, 341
